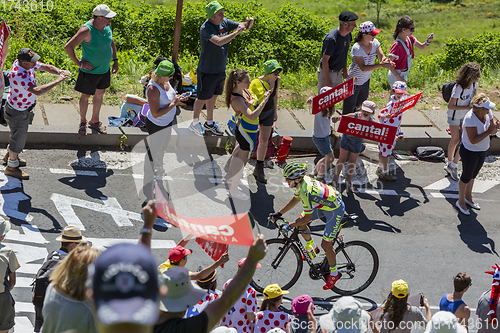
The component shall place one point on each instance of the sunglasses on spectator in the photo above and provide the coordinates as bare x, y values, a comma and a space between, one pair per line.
277, 72
412, 29
370, 33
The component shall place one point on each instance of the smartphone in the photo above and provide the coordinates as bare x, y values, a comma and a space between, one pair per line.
247, 25
421, 299
188, 94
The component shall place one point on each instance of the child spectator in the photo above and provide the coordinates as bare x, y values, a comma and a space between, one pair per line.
8, 267
301, 322
351, 146
242, 315
321, 139
385, 150
453, 302
209, 284
459, 104
269, 316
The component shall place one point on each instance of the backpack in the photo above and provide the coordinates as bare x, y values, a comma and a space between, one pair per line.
447, 90
430, 153
41, 281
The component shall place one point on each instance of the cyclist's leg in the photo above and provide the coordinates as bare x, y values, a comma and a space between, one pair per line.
333, 224
332, 227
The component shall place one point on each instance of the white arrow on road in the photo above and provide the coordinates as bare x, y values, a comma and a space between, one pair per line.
64, 205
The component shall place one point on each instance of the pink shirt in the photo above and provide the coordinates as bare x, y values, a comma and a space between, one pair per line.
399, 52
20, 81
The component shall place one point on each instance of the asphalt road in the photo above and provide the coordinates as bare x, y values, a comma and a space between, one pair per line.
412, 223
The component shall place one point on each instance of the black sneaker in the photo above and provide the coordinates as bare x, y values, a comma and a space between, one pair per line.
259, 174
214, 128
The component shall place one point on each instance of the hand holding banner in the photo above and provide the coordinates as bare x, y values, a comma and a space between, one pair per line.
232, 229
332, 96
367, 129
402, 106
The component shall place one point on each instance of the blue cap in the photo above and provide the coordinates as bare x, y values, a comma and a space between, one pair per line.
125, 284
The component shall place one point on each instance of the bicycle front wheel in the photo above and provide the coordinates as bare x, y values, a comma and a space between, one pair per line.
358, 263
282, 265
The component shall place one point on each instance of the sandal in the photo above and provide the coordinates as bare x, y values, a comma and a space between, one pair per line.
98, 127
83, 129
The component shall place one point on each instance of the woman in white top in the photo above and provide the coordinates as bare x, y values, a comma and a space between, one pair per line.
459, 104
363, 53
478, 125
163, 101
66, 306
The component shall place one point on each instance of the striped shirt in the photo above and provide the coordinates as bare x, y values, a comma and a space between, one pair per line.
354, 70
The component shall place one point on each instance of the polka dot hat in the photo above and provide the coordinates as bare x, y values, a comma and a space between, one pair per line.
368, 27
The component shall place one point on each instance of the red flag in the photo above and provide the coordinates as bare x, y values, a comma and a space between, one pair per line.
402, 106
367, 130
333, 96
213, 249
4, 35
232, 229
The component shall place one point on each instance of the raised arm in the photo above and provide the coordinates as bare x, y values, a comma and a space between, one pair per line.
149, 216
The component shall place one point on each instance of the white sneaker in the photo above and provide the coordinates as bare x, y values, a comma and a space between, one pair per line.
453, 172
197, 129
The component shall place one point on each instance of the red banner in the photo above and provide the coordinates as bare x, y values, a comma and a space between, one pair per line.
402, 106
213, 249
333, 96
367, 130
4, 35
232, 229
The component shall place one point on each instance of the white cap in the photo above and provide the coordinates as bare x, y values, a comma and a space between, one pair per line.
103, 10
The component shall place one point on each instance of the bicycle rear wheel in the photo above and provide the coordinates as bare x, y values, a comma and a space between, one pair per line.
282, 265
358, 263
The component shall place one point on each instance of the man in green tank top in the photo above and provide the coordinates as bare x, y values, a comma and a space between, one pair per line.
98, 50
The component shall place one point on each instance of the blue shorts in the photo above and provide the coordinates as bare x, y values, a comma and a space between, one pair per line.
333, 221
323, 144
351, 143
455, 122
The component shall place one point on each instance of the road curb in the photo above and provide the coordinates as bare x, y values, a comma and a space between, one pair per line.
53, 135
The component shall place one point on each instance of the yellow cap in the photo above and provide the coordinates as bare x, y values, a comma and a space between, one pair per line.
399, 289
273, 291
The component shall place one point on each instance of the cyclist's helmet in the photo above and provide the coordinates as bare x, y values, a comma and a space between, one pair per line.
294, 170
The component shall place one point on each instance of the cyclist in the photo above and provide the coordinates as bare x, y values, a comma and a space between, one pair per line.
314, 196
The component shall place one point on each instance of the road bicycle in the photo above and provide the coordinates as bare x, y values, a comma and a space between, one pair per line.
357, 262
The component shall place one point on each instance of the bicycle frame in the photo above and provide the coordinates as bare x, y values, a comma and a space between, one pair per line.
294, 238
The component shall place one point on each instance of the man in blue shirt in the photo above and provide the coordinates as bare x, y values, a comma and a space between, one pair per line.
215, 35
334, 52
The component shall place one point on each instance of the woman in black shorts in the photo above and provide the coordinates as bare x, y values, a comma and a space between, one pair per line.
477, 126
244, 104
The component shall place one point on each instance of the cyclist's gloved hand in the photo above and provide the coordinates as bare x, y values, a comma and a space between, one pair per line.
276, 215
286, 228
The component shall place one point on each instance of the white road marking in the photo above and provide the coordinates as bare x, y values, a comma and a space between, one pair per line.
103, 243
379, 192
139, 176
74, 172
30, 234
26, 254
24, 307
24, 282
23, 324
110, 206
445, 195
445, 184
